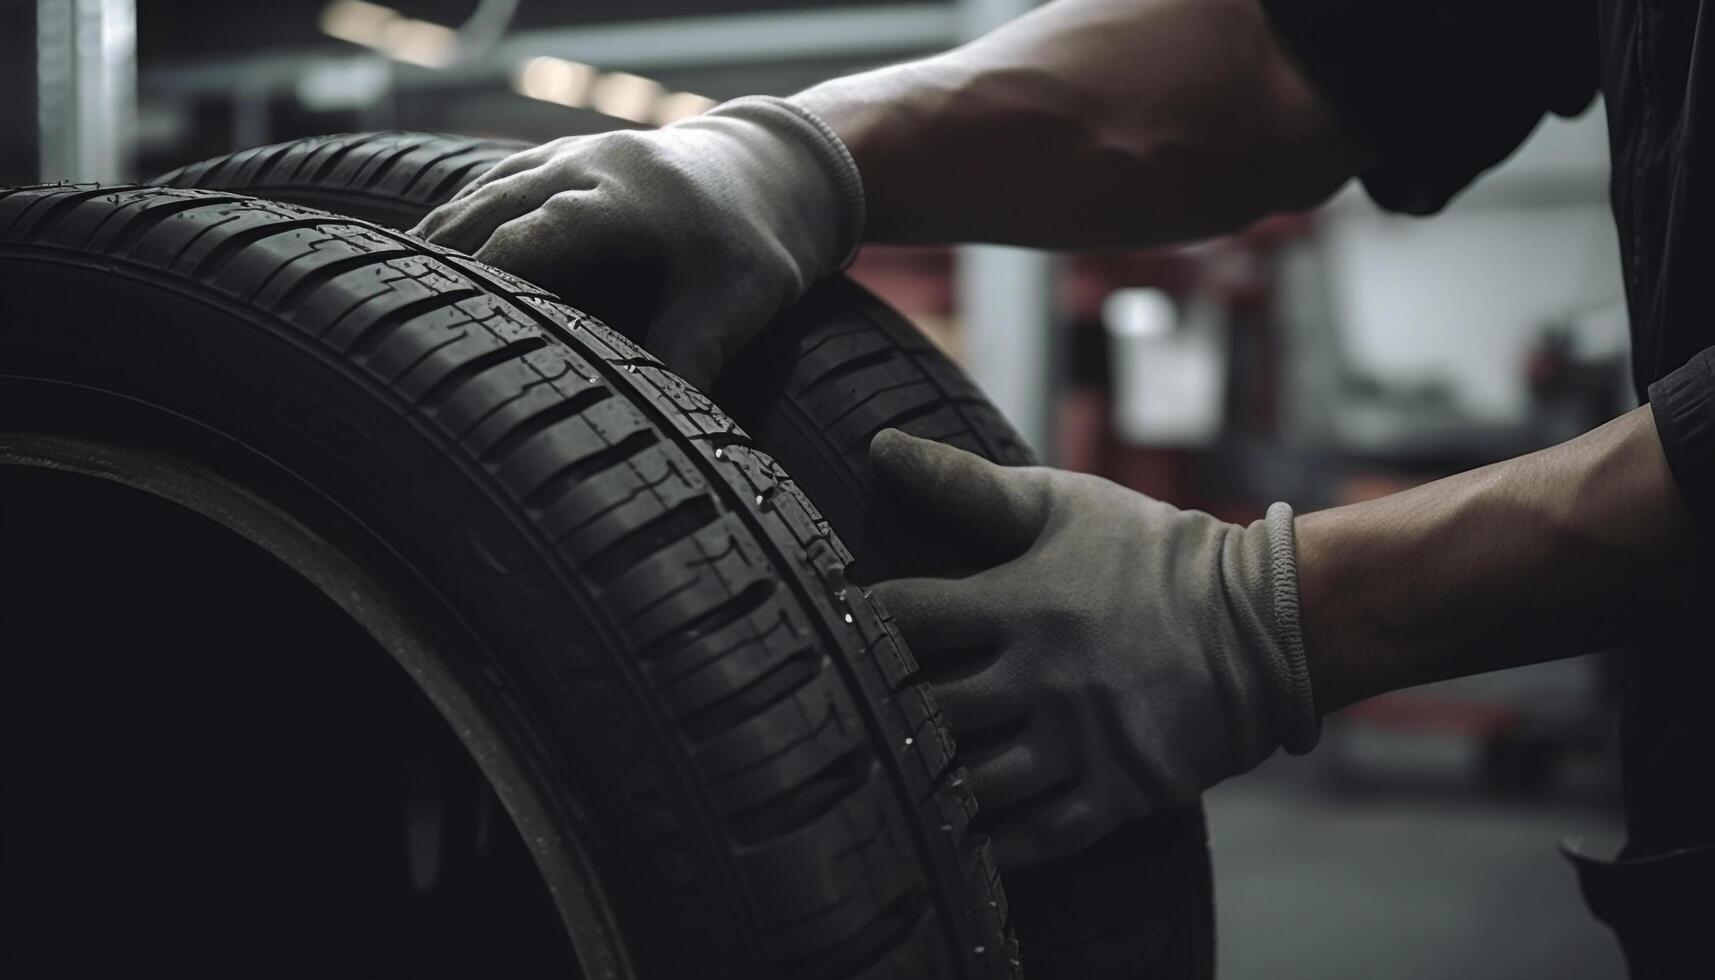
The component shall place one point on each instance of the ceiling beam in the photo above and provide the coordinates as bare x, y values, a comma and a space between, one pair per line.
878, 32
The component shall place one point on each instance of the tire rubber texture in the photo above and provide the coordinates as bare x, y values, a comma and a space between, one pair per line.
812, 390
663, 619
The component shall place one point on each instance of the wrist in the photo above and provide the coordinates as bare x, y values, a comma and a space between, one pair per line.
1549, 554
826, 174
908, 139
1299, 723
1328, 614
1256, 645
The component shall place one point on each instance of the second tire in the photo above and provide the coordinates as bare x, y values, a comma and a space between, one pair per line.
812, 390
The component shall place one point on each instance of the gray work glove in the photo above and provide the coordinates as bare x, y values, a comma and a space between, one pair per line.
1113, 655
691, 236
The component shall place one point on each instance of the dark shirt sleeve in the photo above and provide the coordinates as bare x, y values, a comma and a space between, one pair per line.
1684, 406
1441, 90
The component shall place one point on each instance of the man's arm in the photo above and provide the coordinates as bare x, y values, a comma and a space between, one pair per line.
1089, 122
1538, 557
1113, 654
1092, 123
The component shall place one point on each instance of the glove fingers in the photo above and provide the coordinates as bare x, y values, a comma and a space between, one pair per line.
696, 334
980, 702
531, 248
468, 223
434, 225
586, 262
518, 162
939, 617
998, 507
1056, 827
1010, 776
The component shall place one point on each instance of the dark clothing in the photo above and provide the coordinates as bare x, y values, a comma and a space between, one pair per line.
1445, 90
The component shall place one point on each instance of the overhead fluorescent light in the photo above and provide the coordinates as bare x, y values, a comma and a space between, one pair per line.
384, 29
682, 105
618, 94
357, 21
626, 96
555, 80
419, 42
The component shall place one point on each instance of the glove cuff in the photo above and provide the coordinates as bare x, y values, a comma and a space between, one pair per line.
1301, 725
808, 131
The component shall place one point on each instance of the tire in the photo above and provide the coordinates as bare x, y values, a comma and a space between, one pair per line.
637, 624
812, 390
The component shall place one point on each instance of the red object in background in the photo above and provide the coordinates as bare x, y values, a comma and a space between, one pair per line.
1408, 711
915, 281
919, 280
1235, 271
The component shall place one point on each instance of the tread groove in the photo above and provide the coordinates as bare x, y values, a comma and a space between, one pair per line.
384, 325
327, 166
746, 601
272, 160
59, 206
784, 680
646, 539
849, 366
322, 274
212, 174
897, 419
460, 177
803, 804
140, 223
574, 405
218, 257
871, 396
583, 469
452, 380
428, 166
387, 164
424, 355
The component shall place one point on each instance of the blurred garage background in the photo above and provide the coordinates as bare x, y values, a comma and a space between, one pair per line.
1320, 358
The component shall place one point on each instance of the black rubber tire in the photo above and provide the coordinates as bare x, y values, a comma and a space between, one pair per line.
812, 390
654, 616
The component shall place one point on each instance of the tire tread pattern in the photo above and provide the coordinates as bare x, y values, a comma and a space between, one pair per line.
814, 388
848, 838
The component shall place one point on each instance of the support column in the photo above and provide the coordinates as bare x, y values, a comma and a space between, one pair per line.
1005, 301
1006, 305
86, 89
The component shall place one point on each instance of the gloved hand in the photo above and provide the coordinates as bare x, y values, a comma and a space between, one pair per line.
1113, 656
693, 235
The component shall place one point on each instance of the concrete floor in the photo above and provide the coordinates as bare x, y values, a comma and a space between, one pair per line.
1400, 885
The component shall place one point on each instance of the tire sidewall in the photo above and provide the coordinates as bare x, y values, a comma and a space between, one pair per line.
232, 391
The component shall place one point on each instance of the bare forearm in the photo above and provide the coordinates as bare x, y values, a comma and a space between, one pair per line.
1547, 555
1091, 123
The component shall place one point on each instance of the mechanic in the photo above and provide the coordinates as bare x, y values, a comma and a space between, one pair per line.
1132, 654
